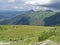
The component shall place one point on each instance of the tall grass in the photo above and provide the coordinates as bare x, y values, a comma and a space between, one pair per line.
48, 33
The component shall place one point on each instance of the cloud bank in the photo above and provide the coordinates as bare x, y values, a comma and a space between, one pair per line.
24, 5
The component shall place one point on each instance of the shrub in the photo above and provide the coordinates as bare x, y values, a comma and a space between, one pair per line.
46, 34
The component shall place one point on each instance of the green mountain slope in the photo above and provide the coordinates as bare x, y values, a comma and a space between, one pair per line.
35, 18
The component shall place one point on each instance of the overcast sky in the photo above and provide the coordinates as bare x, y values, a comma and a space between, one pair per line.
23, 5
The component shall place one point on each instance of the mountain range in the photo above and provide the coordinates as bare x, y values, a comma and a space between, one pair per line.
39, 18
9, 14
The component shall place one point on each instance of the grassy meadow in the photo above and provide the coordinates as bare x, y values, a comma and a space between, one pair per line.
28, 35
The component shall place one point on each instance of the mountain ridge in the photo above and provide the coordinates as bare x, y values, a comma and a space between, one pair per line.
30, 18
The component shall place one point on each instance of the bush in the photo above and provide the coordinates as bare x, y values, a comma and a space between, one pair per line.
21, 38
46, 34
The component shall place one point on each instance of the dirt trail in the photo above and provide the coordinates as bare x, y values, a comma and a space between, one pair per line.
4, 43
47, 42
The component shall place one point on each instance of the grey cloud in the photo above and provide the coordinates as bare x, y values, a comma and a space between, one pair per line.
4, 4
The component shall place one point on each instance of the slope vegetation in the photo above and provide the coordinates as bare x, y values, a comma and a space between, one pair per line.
29, 35
35, 18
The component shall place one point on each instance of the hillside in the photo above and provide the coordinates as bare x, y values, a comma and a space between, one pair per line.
35, 18
29, 35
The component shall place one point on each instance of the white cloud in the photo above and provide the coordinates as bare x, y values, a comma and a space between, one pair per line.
18, 7
36, 2
30, 2
11, 1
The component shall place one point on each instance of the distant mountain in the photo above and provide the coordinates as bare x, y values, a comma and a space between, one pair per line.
38, 18
49, 11
31, 11
9, 14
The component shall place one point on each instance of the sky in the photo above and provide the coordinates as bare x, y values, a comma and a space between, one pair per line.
24, 5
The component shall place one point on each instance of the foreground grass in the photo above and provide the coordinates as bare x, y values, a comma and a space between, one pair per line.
17, 32
24, 35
